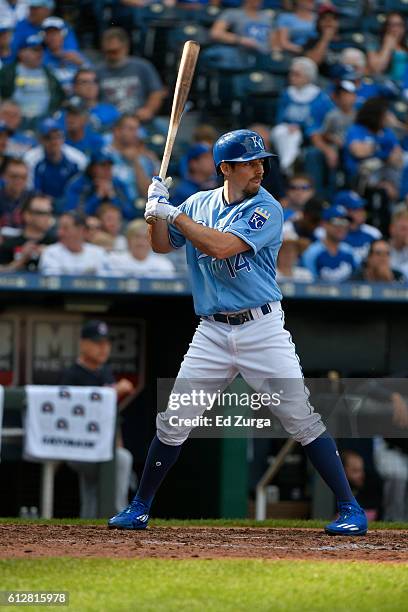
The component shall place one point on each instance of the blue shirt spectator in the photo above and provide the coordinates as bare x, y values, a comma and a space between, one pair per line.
133, 163
6, 31
248, 28
330, 259
201, 174
294, 29
77, 128
89, 190
53, 163
377, 145
85, 85
360, 234
301, 111
63, 63
38, 11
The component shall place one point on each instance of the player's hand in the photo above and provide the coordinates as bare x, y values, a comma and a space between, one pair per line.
158, 188
160, 208
124, 387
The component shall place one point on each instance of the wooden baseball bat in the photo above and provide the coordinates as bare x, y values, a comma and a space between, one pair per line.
184, 78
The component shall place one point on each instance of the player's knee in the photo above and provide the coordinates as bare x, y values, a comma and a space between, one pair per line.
307, 434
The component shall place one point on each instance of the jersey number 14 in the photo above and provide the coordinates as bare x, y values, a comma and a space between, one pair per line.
237, 263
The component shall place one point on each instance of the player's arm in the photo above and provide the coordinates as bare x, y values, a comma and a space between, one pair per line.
159, 237
212, 242
208, 240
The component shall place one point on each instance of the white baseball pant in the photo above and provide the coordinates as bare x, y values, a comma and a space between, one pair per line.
260, 350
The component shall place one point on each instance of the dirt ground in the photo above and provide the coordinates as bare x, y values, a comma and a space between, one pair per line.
199, 542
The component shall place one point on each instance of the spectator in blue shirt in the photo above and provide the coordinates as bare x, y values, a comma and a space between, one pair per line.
360, 234
330, 259
133, 162
38, 11
301, 110
294, 28
371, 151
245, 29
53, 163
201, 174
78, 130
353, 67
85, 85
6, 32
90, 189
63, 63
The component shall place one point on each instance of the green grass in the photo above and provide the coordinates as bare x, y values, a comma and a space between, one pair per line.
290, 523
160, 585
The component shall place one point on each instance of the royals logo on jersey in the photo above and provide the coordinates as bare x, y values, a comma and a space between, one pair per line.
258, 218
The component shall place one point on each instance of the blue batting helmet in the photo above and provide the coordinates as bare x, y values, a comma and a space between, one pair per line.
239, 146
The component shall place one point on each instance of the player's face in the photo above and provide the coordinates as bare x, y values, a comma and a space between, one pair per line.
246, 177
97, 352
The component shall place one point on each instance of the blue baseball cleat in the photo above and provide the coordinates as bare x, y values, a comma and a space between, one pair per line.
352, 520
134, 516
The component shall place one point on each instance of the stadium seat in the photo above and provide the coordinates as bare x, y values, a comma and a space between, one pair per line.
360, 40
401, 6
374, 23
352, 8
276, 62
255, 95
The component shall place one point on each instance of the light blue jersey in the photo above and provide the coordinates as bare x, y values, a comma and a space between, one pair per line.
246, 280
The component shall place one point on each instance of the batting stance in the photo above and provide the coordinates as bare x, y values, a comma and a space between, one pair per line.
232, 236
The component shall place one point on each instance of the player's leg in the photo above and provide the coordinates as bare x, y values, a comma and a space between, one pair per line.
207, 360
275, 358
88, 487
123, 472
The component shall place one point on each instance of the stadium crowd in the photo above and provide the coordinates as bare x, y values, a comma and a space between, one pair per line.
84, 109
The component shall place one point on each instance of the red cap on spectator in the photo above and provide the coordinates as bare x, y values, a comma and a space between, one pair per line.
327, 8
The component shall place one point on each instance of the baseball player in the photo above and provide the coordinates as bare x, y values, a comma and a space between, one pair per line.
232, 236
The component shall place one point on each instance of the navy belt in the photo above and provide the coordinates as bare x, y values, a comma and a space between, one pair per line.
240, 317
